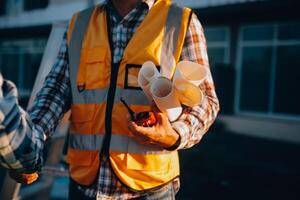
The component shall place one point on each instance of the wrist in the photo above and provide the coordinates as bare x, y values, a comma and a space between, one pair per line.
174, 142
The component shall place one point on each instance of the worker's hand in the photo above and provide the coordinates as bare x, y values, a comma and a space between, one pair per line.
161, 134
23, 178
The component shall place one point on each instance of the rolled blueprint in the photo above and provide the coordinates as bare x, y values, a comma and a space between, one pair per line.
191, 72
187, 78
188, 93
165, 98
146, 75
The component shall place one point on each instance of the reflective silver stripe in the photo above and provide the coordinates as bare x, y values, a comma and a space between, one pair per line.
92, 96
119, 143
173, 23
136, 97
78, 33
86, 142
123, 143
171, 33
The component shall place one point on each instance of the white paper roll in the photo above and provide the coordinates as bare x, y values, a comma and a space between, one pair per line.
188, 93
145, 85
190, 71
165, 97
147, 73
187, 78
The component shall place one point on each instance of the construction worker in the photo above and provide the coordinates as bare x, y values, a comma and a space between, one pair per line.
109, 156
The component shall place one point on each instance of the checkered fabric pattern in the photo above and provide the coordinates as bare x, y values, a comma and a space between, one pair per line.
21, 146
122, 29
194, 122
22, 135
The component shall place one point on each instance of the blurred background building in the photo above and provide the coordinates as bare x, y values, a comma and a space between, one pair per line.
254, 51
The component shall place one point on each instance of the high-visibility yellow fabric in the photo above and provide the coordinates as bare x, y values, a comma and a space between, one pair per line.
135, 168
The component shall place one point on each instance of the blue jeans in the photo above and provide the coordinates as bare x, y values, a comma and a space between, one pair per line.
165, 193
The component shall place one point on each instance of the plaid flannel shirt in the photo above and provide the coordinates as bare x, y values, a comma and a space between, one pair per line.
22, 135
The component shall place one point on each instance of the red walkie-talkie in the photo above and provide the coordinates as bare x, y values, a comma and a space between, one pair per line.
145, 119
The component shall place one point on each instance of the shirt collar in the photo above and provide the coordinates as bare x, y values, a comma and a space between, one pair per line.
150, 3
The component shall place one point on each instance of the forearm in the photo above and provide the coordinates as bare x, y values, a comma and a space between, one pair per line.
195, 122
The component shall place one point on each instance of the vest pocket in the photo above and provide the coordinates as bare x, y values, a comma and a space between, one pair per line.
84, 165
80, 157
142, 157
131, 76
82, 112
82, 118
150, 162
93, 72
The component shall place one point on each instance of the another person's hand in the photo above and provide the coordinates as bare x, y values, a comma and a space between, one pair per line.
23, 178
8, 96
10, 118
161, 134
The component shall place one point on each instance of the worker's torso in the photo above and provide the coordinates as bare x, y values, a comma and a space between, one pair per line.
99, 120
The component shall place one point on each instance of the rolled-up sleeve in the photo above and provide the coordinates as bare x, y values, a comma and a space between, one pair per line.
195, 122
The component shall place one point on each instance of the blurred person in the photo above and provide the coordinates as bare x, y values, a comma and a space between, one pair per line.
109, 156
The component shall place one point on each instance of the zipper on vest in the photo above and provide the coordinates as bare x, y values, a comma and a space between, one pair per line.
111, 94
109, 108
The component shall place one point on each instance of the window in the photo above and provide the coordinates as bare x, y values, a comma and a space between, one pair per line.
35, 4
2, 7
20, 60
218, 45
255, 78
287, 86
269, 69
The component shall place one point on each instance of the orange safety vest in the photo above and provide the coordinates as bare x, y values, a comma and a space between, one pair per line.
98, 119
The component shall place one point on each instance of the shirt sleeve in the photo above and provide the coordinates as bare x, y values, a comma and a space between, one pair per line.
22, 134
195, 122
53, 100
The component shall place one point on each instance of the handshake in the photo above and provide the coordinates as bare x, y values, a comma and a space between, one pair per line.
8, 118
